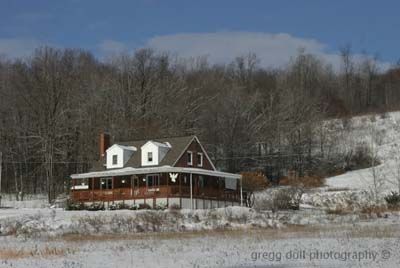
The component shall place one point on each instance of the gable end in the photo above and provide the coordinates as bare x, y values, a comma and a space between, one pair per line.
194, 147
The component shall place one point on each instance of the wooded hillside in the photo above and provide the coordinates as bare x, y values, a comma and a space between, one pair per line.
54, 104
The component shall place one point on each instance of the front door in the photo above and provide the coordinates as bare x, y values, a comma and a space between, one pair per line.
135, 186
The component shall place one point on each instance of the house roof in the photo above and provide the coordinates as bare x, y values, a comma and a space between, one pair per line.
159, 169
178, 145
129, 148
159, 144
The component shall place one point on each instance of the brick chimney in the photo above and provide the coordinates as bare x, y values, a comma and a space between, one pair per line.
104, 144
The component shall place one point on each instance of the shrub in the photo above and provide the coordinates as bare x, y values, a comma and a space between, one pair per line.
134, 207
374, 209
117, 206
393, 200
288, 198
254, 181
152, 221
338, 210
161, 206
360, 158
70, 205
95, 206
144, 206
174, 207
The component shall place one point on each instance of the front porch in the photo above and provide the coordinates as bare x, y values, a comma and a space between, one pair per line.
197, 189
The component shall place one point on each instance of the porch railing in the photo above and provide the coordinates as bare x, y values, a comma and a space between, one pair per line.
153, 192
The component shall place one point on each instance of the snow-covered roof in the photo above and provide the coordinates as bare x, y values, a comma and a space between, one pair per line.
159, 144
163, 169
125, 147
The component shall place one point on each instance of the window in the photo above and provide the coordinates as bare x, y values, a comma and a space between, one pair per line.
201, 181
153, 180
150, 156
106, 183
200, 159
83, 182
115, 159
190, 158
135, 181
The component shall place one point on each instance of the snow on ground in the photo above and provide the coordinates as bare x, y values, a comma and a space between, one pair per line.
382, 134
347, 247
45, 223
225, 237
36, 223
29, 201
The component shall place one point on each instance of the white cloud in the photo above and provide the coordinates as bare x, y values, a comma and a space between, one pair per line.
111, 47
273, 50
16, 47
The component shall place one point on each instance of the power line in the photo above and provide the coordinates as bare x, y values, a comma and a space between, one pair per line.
260, 157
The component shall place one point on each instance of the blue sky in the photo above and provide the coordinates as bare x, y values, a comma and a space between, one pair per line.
219, 29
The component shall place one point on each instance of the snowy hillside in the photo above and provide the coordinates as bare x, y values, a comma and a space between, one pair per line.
381, 133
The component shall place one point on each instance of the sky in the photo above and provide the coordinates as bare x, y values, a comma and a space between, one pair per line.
218, 29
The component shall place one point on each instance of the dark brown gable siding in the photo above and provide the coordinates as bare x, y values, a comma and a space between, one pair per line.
194, 147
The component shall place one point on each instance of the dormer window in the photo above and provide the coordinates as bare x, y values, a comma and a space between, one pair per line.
189, 158
153, 153
115, 159
199, 159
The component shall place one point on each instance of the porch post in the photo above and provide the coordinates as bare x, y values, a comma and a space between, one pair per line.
241, 192
168, 190
132, 187
92, 189
73, 189
180, 190
191, 192
112, 186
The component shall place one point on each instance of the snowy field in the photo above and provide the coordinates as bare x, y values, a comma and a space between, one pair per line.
30, 201
382, 135
309, 247
228, 237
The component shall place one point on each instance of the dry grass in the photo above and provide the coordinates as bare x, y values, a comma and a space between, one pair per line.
339, 211
46, 252
306, 181
6, 254
145, 236
291, 231
353, 231
379, 210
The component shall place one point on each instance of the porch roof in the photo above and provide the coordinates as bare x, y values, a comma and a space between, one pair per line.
163, 169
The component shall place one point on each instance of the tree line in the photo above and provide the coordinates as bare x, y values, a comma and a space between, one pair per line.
54, 104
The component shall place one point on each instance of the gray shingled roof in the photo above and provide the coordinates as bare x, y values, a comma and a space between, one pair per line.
178, 146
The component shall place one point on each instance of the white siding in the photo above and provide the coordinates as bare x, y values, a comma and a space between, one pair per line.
149, 147
123, 155
158, 152
119, 152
